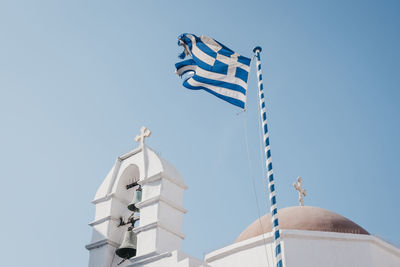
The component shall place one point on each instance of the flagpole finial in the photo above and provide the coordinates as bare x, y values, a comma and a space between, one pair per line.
257, 48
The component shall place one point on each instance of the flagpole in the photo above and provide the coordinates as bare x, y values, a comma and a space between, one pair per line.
268, 162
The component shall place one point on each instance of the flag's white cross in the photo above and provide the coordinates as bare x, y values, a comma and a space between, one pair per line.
232, 63
144, 132
232, 66
302, 192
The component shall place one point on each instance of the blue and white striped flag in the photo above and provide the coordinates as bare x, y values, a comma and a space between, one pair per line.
214, 68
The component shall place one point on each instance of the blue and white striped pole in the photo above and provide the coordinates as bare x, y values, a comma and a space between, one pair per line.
271, 185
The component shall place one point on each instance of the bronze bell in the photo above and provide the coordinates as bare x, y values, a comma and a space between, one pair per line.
127, 249
137, 197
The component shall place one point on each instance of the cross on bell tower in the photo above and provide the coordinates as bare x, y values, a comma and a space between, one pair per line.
302, 192
144, 132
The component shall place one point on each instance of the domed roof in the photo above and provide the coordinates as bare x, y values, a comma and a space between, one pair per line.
303, 218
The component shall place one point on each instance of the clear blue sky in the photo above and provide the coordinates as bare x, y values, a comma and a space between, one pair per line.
79, 78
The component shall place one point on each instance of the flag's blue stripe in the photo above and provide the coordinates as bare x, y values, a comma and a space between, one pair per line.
231, 86
242, 74
220, 67
182, 73
244, 60
203, 64
187, 40
185, 63
225, 50
231, 100
203, 47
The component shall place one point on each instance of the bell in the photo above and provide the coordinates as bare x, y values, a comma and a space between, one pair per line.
127, 249
137, 197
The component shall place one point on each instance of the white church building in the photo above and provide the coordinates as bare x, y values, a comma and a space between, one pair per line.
149, 232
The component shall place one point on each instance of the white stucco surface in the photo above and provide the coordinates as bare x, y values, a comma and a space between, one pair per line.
309, 248
257, 252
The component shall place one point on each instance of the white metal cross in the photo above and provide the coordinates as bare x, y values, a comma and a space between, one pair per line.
302, 192
144, 132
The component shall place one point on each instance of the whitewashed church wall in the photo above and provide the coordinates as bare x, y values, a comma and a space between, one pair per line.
153, 162
167, 241
103, 189
310, 248
119, 208
145, 241
102, 210
255, 257
326, 252
385, 253
334, 249
100, 231
151, 190
171, 259
172, 192
252, 252
149, 214
170, 217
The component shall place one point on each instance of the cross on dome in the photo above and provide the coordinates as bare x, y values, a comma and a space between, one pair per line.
144, 132
302, 192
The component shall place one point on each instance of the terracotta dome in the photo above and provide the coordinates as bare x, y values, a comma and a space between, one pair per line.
303, 218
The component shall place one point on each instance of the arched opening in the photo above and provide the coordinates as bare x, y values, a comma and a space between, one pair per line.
130, 175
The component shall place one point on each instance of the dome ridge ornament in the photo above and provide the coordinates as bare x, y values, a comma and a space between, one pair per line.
302, 192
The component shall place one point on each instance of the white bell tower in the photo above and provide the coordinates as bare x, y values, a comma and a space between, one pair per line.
159, 231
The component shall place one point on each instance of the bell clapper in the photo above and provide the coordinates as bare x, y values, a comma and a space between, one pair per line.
131, 220
121, 262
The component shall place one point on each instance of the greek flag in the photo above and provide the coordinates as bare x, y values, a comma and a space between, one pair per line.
214, 68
